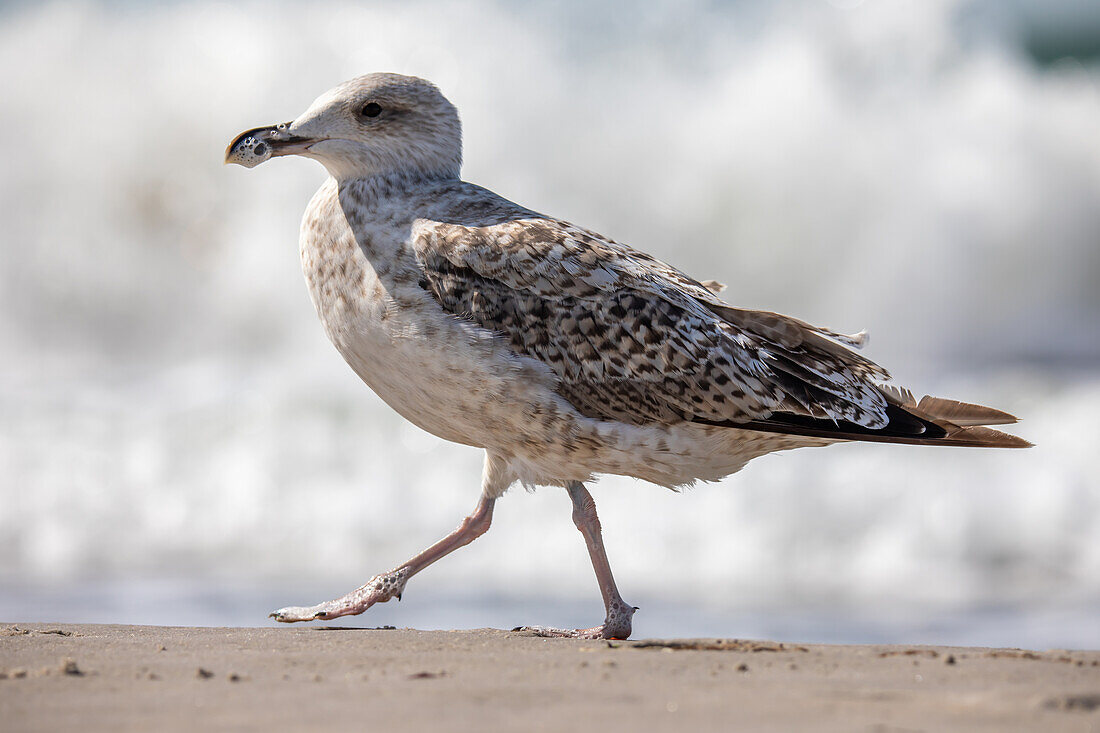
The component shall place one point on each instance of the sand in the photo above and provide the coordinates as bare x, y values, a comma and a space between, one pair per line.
111, 678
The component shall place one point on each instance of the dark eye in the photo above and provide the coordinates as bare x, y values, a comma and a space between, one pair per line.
371, 109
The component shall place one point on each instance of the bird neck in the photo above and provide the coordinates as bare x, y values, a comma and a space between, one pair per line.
385, 185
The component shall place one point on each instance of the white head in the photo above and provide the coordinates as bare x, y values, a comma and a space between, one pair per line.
378, 124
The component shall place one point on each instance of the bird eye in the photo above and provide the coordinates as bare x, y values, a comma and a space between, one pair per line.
372, 109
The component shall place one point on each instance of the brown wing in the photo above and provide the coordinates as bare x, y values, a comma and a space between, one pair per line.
635, 340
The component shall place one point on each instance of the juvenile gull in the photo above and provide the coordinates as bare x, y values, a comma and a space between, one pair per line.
562, 353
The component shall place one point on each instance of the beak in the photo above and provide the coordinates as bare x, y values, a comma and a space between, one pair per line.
254, 146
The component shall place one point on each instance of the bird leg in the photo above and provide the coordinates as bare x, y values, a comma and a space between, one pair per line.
382, 588
616, 625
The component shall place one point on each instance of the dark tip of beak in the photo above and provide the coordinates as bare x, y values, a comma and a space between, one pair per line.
254, 146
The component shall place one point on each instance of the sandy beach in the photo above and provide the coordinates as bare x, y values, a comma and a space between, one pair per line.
110, 678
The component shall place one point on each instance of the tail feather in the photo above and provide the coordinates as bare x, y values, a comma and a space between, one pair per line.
931, 421
962, 413
964, 423
979, 436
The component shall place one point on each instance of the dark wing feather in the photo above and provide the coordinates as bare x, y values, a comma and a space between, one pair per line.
932, 421
906, 424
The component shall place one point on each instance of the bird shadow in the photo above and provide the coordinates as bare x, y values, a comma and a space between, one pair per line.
352, 628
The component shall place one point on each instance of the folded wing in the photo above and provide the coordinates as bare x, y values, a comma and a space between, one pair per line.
633, 339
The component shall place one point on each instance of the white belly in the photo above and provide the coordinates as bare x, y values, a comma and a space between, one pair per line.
446, 376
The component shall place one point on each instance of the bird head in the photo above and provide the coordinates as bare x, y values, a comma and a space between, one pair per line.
378, 124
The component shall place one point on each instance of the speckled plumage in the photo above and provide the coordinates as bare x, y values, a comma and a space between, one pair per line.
628, 337
562, 353
390, 302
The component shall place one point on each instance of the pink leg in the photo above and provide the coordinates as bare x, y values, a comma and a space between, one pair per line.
617, 624
382, 588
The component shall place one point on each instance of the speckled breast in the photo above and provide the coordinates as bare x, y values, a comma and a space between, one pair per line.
444, 376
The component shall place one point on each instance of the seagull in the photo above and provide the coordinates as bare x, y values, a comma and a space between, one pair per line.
562, 353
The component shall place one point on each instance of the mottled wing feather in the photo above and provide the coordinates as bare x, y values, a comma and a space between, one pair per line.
633, 339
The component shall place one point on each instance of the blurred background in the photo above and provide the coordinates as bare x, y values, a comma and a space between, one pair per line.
179, 443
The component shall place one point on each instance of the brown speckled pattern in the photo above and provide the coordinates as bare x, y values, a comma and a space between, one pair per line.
460, 374
631, 338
